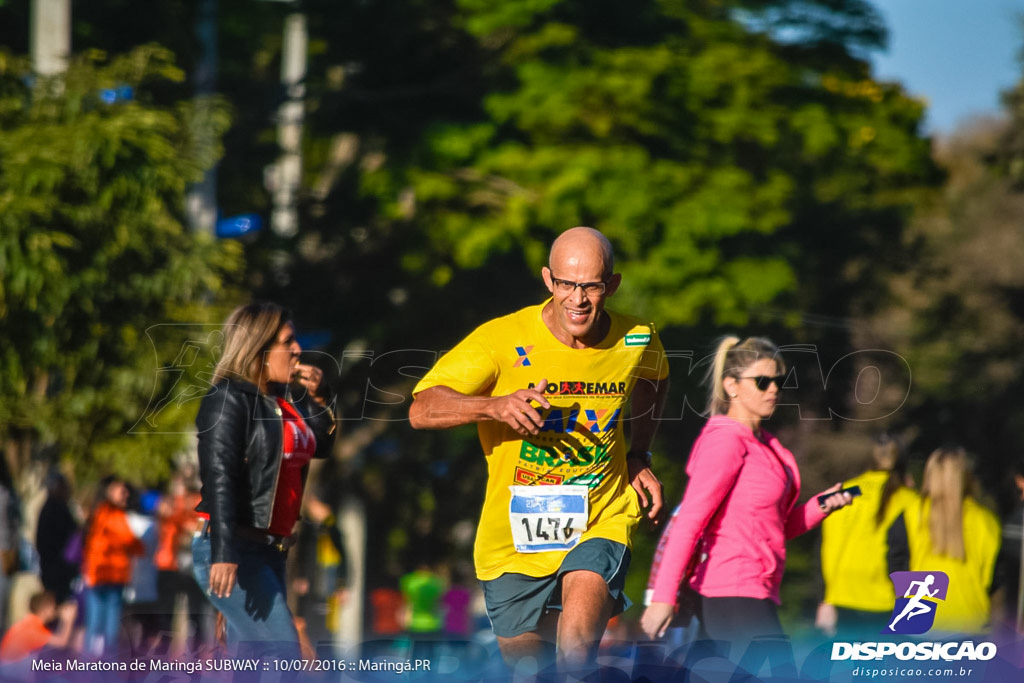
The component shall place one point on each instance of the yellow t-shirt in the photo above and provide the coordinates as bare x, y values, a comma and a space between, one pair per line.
581, 445
967, 606
854, 548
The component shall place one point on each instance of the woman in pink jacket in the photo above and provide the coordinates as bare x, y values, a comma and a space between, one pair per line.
740, 507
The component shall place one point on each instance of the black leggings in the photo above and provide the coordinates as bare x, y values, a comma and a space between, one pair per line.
739, 619
751, 631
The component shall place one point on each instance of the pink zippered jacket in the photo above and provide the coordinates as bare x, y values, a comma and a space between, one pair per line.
743, 551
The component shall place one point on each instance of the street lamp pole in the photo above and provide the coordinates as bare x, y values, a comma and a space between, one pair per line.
286, 175
201, 199
50, 33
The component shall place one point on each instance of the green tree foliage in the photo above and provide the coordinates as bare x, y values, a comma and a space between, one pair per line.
955, 310
93, 253
711, 150
248, 42
739, 154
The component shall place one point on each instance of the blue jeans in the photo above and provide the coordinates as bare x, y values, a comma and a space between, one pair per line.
103, 617
258, 619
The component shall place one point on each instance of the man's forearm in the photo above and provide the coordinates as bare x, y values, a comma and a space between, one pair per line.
441, 407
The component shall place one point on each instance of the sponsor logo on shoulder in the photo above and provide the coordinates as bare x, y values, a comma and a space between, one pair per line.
638, 339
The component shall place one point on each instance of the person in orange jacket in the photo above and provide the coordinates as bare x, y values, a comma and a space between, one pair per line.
177, 523
31, 634
109, 548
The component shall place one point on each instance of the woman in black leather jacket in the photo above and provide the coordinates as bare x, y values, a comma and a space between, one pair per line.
255, 443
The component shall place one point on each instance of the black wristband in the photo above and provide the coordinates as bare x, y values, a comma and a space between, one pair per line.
644, 456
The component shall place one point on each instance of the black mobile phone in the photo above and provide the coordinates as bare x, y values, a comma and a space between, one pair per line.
854, 491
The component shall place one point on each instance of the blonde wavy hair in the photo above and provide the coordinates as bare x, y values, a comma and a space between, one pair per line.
249, 332
947, 482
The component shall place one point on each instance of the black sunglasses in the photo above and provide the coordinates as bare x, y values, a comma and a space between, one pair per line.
765, 381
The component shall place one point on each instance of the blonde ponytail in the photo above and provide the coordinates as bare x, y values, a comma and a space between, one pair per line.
947, 481
718, 402
732, 357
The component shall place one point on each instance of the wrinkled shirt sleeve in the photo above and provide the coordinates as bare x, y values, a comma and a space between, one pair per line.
714, 466
803, 518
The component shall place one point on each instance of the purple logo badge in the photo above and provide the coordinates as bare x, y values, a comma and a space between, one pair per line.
917, 596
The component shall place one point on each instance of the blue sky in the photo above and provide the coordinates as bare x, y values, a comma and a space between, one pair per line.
957, 54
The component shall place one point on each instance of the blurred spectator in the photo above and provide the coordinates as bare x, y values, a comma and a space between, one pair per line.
866, 543
56, 534
1008, 603
457, 611
958, 536
10, 541
387, 606
141, 594
319, 571
110, 546
422, 589
31, 634
456, 604
177, 522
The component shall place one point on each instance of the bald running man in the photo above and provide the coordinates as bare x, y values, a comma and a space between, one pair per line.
548, 387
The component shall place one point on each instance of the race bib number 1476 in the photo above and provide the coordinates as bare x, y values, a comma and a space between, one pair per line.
547, 518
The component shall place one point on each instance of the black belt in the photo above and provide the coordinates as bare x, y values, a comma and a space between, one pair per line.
260, 537
256, 536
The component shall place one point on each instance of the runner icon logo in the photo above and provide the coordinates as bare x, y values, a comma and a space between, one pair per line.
917, 596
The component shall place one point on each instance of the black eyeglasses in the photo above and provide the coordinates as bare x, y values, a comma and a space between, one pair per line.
765, 381
568, 287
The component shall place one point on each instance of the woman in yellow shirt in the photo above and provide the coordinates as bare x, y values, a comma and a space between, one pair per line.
959, 536
865, 543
